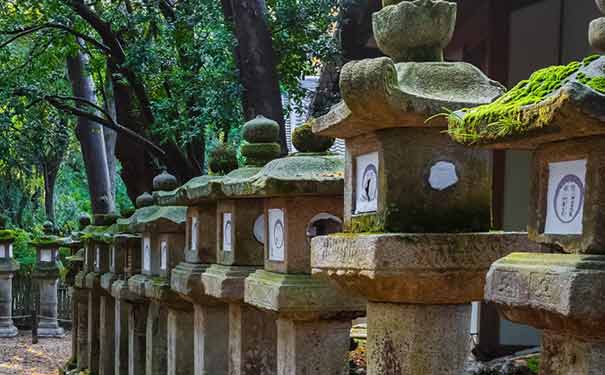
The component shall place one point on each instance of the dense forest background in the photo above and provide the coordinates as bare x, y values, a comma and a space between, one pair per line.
98, 96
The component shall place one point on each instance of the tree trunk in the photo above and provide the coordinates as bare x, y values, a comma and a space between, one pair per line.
92, 140
256, 62
50, 178
111, 136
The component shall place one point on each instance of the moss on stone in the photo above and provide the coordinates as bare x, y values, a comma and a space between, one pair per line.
504, 116
223, 159
7, 235
259, 154
261, 130
305, 140
531, 104
47, 240
367, 223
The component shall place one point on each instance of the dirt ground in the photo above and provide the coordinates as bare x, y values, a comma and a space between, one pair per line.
19, 357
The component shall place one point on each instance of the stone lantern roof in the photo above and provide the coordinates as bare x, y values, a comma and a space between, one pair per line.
172, 217
295, 175
414, 83
556, 103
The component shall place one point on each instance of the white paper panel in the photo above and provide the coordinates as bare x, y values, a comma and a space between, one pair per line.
565, 205
277, 235
146, 254
227, 232
366, 189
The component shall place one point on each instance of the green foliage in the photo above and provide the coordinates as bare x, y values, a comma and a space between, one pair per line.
534, 365
23, 252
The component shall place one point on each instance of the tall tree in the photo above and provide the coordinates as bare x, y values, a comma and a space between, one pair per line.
92, 138
256, 62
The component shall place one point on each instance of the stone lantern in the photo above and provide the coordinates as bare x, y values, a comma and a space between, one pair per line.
8, 267
76, 262
239, 238
130, 308
46, 276
559, 115
162, 230
414, 200
96, 239
302, 198
208, 324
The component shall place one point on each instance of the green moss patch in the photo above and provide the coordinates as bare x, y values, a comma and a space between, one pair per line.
7, 235
514, 112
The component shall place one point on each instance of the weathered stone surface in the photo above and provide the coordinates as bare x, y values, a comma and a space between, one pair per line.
592, 238
201, 233
107, 280
169, 218
300, 297
313, 348
211, 339
180, 342
226, 282
417, 339
107, 346
164, 182
406, 200
81, 298
295, 175
562, 293
7, 327
120, 290
186, 280
48, 325
196, 190
243, 249
156, 340
137, 339
379, 94
93, 345
596, 34
121, 312
565, 355
414, 268
298, 213
252, 341
415, 30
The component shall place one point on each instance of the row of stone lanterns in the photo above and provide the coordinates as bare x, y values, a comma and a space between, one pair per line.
215, 276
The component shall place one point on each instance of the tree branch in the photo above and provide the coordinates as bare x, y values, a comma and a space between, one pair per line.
50, 25
58, 101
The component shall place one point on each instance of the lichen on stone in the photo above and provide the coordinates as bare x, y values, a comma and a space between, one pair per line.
531, 104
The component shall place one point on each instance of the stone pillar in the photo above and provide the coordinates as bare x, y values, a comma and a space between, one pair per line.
137, 339
313, 347
8, 267
252, 341
48, 325
418, 339
94, 345
121, 337
107, 329
157, 345
180, 342
45, 276
210, 343
81, 297
7, 327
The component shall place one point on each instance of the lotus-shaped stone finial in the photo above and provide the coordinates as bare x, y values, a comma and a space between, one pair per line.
414, 30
